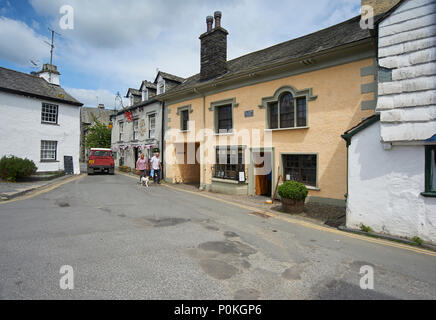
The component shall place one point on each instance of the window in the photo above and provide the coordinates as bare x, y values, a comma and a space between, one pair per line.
144, 95
288, 112
49, 113
121, 131
430, 171
224, 118
151, 126
132, 100
161, 87
184, 115
48, 150
100, 153
229, 162
135, 129
301, 168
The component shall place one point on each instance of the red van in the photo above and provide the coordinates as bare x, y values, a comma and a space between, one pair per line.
101, 160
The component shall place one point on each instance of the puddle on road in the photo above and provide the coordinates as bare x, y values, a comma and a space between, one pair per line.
218, 269
228, 247
166, 222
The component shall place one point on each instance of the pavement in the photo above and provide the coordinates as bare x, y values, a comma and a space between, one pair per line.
125, 241
11, 190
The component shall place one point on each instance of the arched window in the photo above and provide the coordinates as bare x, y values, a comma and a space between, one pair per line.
287, 112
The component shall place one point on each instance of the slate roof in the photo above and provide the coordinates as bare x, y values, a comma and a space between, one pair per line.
365, 123
101, 114
30, 85
148, 84
341, 34
134, 92
168, 76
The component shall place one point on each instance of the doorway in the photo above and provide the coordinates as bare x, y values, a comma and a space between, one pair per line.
262, 172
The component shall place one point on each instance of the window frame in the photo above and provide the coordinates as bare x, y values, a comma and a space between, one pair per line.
180, 111
46, 104
135, 136
214, 107
239, 167
430, 190
149, 117
42, 159
267, 102
283, 170
295, 113
121, 131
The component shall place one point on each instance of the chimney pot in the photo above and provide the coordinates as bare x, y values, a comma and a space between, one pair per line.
209, 21
218, 16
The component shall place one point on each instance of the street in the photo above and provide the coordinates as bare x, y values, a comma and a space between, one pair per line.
124, 241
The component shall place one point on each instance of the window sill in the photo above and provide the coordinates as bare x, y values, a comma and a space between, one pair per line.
286, 129
48, 161
227, 181
313, 188
224, 134
429, 194
184, 131
50, 123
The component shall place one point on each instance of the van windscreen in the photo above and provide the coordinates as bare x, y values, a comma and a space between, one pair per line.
100, 153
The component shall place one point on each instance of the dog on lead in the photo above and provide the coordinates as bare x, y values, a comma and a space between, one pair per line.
145, 180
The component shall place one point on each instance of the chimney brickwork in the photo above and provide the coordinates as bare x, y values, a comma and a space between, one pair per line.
213, 50
380, 6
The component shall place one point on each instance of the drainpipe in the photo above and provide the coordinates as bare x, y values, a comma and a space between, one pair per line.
347, 138
203, 173
162, 141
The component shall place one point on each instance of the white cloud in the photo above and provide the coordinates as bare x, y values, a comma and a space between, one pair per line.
19, 43
92, 98
121, 43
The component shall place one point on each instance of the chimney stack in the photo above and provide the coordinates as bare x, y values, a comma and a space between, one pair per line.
380, 6
217, 16
50, 73
213, 49
101, 106
209, 22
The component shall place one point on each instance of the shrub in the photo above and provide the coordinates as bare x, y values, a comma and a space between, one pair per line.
293, 190
365, 228
124, 169
13, 168
417, 240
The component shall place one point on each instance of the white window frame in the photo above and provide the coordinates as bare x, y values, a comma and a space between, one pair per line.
161, 87
121, 131
48, 148
150, 129
144, 95
49, 111
135, 129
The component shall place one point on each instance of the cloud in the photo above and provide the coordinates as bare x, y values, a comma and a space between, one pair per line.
117, 44
20, 43
91, 97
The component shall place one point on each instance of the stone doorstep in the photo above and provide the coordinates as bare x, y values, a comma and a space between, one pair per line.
388, 237
14, 194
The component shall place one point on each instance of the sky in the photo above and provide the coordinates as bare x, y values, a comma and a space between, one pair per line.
115, 45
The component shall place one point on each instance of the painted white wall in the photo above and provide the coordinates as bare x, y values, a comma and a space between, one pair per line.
21, 131
143, 139
407, 104
385, 188
46, 76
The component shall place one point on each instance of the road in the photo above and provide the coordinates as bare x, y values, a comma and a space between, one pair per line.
124, 241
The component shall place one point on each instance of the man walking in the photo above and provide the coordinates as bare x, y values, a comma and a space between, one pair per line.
156, 166
141, 166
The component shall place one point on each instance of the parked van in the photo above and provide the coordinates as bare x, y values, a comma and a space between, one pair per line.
101, 160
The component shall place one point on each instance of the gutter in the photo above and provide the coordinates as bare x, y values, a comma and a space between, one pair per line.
34, 95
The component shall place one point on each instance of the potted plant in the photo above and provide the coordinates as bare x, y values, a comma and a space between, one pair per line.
293, 195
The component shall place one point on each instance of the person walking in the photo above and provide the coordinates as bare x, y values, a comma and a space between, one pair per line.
142, 166
156, 166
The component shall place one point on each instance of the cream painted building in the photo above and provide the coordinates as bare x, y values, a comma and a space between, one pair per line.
297, 97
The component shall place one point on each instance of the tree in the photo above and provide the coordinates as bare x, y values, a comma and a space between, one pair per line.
99, 135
